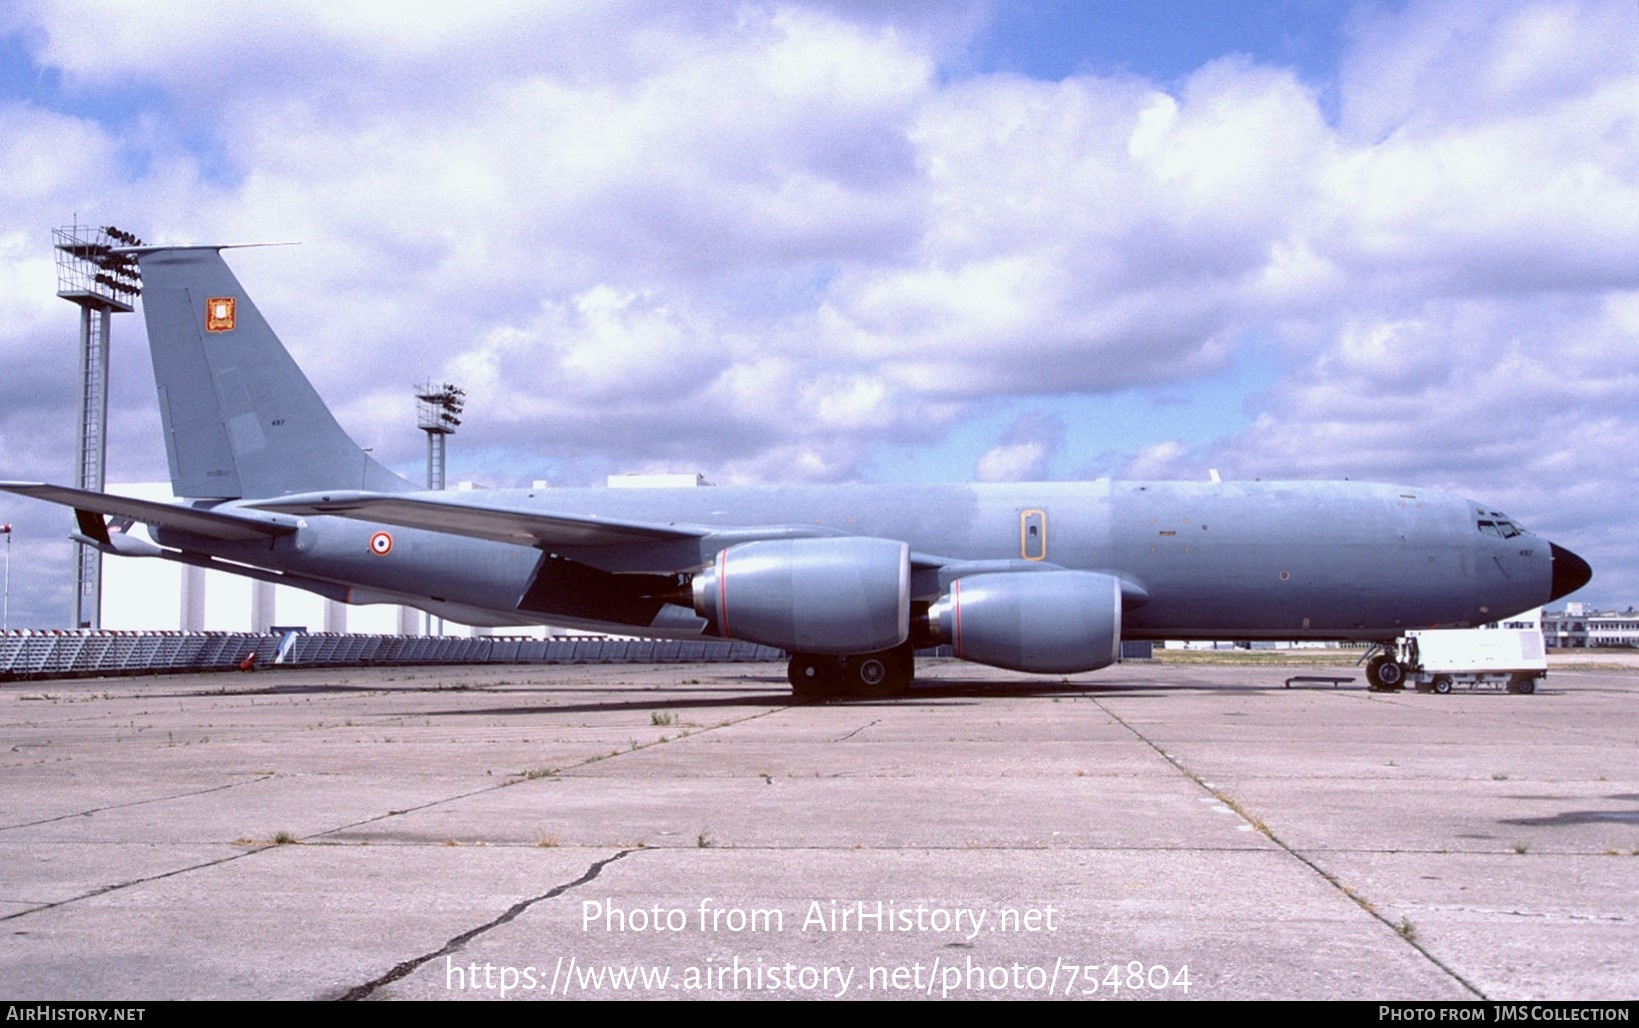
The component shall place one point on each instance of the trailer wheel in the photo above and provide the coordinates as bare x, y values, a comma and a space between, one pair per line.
1524, 685
1442, 684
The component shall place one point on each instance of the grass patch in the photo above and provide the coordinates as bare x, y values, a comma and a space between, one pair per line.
1589, 665
1260, 658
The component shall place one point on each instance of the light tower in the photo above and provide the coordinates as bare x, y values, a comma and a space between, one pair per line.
5, 605
102, 281
437, 413
438, 410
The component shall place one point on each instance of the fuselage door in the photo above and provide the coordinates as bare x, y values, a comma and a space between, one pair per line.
1033, 534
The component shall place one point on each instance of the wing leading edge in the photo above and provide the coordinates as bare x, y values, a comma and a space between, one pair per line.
236, 524
607, 544
498, 524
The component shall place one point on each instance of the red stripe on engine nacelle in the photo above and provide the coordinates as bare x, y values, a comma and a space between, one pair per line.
722, 593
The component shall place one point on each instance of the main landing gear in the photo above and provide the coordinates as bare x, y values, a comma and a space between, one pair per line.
884, 673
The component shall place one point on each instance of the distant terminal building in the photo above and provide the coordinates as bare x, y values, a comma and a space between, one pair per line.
665, 480
1526, 620
1577, 627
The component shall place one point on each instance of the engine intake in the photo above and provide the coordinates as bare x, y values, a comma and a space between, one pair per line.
829, 595
1051, 622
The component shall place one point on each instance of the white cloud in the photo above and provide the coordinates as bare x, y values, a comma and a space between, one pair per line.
1519, 404
1452, 64
1011, 462
761, 239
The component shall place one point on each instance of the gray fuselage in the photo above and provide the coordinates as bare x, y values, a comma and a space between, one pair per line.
1231, 560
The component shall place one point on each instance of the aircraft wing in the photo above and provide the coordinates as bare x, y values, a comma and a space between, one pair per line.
233, 525
500, 524
604, 543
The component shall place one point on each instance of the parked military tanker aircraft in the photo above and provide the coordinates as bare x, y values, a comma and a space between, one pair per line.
849, 580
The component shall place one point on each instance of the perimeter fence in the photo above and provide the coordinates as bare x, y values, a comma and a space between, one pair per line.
69, 654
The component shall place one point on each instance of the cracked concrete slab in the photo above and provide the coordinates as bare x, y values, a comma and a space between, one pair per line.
406, 833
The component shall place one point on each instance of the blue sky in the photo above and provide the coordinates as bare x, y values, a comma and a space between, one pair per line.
832, 241
1164, 41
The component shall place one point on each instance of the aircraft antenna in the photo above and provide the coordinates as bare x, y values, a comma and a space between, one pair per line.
102, 282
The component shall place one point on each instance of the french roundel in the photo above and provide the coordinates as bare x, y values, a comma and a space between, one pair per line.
381, 544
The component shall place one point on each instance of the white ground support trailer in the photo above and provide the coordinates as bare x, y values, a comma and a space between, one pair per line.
1437, 660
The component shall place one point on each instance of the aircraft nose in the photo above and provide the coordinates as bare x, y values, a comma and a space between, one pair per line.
1570, 572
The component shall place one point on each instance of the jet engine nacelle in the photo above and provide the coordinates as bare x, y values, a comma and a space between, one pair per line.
829, 595
1055, 622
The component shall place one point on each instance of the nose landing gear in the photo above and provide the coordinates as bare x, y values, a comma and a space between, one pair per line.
1384, 674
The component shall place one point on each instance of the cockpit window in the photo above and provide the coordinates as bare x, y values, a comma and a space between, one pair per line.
1497, 524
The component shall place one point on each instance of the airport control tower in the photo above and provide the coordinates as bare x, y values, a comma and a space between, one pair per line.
103, 282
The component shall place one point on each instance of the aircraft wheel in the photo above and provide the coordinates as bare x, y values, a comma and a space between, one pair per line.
869, 673
1373, 666
1384, 675
812, 674
877, 674
1442, 684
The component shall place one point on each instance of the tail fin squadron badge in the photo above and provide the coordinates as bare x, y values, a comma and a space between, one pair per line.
219, 314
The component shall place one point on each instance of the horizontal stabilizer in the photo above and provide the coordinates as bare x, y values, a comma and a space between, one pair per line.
117, 543
238, 526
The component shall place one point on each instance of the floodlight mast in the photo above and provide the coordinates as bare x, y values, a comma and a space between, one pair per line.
437, 413
102, 281
5, 605
438, 409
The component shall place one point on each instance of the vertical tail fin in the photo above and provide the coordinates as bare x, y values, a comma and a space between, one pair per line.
241, 420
